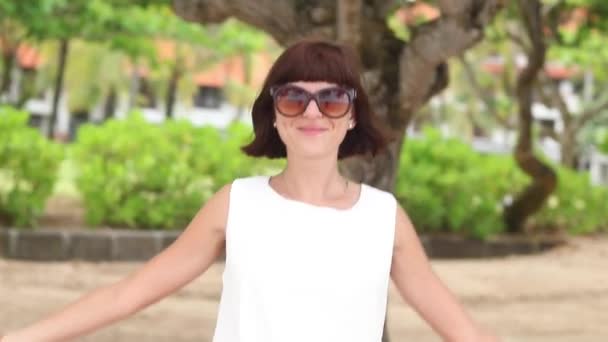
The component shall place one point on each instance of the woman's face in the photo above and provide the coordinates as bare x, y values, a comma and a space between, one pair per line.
312, 134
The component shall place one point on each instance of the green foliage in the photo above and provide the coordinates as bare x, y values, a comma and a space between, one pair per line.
62, 19
400, 30
582, 43
120, 33
395, 21
576, 207
28, 169
235, 37
136, 174
601, 140
446, 186
90, 72
239, 94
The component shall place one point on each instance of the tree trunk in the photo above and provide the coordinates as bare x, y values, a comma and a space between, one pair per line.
247, 58
348, 23
543, 177
147, 92
27, 88
63, 56
134, 85
380, 171
109, 106
568, 149
172, 89
8, 59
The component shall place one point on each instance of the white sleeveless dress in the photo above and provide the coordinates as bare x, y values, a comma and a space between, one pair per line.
297, 272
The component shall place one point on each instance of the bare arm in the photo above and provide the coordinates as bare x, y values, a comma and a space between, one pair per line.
189, 256
424, 291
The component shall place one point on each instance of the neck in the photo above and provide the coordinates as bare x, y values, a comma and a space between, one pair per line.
313, 179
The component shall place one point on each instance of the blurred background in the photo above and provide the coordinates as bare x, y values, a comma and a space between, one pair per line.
127, 115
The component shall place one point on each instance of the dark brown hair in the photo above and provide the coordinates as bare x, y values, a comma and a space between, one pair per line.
313, 60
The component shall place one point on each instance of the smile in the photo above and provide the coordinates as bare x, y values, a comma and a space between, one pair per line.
312, 130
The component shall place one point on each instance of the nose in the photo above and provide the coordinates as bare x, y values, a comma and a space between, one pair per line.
312, 110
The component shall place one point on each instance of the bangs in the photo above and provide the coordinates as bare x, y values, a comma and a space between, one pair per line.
315, 61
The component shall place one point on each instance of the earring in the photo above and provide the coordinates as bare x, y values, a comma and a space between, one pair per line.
274, 124
351, 125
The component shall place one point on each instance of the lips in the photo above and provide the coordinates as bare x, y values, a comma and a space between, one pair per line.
312, 130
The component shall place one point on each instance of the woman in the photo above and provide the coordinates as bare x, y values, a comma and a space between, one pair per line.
309, 253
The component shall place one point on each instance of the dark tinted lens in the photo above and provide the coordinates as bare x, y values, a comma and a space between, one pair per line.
334, 101
291, 100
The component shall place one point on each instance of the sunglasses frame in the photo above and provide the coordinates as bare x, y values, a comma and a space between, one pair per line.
350, 92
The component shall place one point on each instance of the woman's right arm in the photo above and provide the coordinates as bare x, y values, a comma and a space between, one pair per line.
188, 257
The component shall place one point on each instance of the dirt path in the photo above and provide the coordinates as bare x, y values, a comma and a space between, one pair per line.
560, 296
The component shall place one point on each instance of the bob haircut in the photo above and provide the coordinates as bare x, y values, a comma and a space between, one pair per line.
313, 60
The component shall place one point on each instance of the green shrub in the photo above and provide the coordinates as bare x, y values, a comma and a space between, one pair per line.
28, 169
136, 174
446, 186
576, 206
228, 162
602, 140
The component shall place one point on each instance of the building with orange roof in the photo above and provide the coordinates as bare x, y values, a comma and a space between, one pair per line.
28, 57
416, 12
208, 104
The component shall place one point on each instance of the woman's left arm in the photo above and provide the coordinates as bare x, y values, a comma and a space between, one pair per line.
423, 290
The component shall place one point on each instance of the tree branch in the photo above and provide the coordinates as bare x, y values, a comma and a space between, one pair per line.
278, 18
591, 113
348, 22
518, 40
433, 43
543, 177
421, 63
536, 59
384, 8
552, 18
525, 82
508, 80
550, 132
453, 8
485, 97
557, 97
470, 74
545, 98
530, 12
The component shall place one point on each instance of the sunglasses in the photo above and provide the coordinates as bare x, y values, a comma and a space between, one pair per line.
333, 102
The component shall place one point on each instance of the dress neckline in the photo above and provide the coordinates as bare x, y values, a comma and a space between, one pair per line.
274, 193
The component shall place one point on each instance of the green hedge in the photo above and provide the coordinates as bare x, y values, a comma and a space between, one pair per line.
602, 140
576, 206
131, 173
140, 175
28, 169
446, 186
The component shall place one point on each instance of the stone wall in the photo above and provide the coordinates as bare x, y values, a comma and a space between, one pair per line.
129, 245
